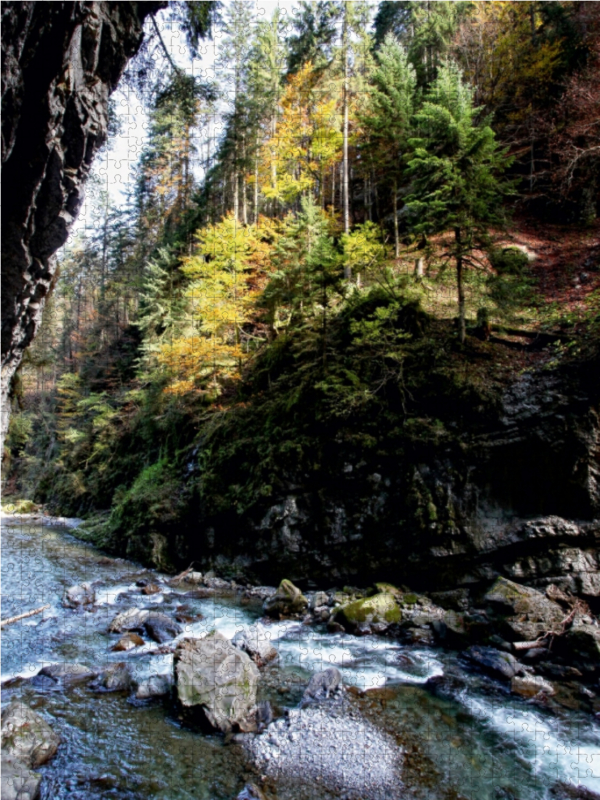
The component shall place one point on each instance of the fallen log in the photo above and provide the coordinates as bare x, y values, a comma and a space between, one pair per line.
35, 611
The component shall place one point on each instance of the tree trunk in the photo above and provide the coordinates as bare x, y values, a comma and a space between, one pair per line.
462, 331
236, 196
256, 185
345, 180
244, 193
396, 231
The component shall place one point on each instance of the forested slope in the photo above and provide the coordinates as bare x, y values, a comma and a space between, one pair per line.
356, 334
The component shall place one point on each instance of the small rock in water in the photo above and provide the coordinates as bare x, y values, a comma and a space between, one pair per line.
68, 674
495, 662
160, 627
155, 686
131, 620
193, 578
81, 595
115, 678
321, 686
530, 686
150, 588
128, 641
250, 792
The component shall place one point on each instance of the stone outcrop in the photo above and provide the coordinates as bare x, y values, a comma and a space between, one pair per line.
60, 62
517, 494
216, 678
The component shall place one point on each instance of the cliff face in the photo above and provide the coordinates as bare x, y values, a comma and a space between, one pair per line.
60, 62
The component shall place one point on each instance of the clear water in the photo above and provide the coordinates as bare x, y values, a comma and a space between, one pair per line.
470, 746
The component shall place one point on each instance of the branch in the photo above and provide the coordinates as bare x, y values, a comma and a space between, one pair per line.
164, 47
35, 611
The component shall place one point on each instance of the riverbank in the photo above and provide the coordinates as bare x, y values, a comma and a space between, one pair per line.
406, 676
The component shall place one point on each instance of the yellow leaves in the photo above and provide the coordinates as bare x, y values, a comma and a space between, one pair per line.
304, 141
225, 276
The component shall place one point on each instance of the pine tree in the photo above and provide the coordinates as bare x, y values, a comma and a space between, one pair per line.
455, 169
388, 116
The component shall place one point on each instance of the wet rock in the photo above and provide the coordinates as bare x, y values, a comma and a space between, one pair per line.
287, 601
317, 600
150, 588
217, 678
250, 792
256, 642
565, 791
115, 678
496, 663
18, 781
81, 595
68, 675
131, 620
160, 627
218, 584
581, 643
128, 641
345, 755
155, 686
530, 686
26, 736
446, 686
454, 599
193, 578
379, 609
530, 613
321, 686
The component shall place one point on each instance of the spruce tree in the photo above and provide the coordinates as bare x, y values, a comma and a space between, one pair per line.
456, 166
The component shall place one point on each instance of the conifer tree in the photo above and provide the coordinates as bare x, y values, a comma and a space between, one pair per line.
456, 166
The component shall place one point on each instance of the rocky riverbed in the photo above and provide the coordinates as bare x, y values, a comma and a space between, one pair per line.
148, 685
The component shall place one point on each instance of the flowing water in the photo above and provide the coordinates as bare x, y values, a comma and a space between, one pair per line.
479, 743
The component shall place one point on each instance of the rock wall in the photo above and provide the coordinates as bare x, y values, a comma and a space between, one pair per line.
60, 62
521, 499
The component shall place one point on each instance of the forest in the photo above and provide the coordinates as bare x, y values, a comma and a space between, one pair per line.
301, 346
350, 243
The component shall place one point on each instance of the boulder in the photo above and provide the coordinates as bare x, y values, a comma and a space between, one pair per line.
160, 627
193, 578
131, 620
68, 675
115, 678
150, 588
580, 643
128, 641
155, 686
256, 642
80, 595
26, 736
318, 599
287, 601
528, 613
380, 609
18, 781
321, 686
216, 677
530, 685
495, 662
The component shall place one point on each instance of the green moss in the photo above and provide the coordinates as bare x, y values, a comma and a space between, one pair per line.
379, 608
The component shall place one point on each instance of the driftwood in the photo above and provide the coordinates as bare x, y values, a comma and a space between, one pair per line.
24, 616
178, 578
547, 638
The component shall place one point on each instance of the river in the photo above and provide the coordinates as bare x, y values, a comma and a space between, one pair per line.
477, 744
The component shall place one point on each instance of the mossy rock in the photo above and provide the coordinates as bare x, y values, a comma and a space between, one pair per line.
288, 600
380, 608
388, 588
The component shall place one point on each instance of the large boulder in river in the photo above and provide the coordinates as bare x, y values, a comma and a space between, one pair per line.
216, 678
287, 601
26, 736
68, 675
581, 643
115, 678
81, 595
256, 642
18, 781
380, 610
528, 613
160, 627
